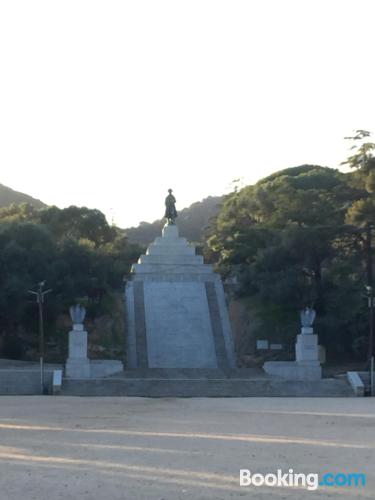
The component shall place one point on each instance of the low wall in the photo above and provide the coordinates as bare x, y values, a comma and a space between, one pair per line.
24, 381
205, 388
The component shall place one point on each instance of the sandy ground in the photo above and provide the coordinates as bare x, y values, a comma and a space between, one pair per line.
135, 448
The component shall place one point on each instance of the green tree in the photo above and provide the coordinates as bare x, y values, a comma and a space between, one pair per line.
288, 242
361, 213
23, 212
90, 261
78, 223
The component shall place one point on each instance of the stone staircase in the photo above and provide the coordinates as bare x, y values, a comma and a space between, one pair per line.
203, 383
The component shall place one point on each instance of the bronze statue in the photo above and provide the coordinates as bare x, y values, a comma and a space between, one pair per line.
170, 208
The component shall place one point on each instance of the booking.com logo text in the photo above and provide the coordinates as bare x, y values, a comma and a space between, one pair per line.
309, 481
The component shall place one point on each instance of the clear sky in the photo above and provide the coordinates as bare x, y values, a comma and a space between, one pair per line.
108, 104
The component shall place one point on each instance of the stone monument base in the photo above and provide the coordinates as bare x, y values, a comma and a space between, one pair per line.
105, 367
307, 346
78, 364
294, 370
306, 366
77, 368
97, 368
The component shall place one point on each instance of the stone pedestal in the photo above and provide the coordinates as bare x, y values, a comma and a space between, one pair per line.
307, 364
307, 348
78, 364
176, 311
293, 370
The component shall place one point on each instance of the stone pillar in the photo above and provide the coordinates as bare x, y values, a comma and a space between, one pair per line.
307, 346
307, 354
307, 364
78, 364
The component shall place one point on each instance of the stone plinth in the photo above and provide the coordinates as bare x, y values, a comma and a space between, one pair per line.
176, 311
307, 348
105, 367
78, 364
293, 370
307, 364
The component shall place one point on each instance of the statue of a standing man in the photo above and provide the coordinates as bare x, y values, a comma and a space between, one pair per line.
170, 208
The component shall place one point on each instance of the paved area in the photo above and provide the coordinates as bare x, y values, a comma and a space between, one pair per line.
170, 449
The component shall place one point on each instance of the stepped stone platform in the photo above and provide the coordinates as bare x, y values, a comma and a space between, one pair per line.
176, 311
204, 383
18, 377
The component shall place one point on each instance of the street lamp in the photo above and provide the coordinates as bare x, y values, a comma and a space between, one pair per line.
370, 298
40, 299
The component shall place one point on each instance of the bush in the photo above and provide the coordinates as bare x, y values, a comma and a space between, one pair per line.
12, 348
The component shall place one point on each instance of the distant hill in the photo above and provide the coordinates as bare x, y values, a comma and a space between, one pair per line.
191, 221
9, 196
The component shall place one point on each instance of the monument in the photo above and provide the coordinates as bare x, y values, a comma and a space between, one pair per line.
176, 311
170, 208
307, 364
77, 364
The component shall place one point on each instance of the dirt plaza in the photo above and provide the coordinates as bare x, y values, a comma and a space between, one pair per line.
169, 449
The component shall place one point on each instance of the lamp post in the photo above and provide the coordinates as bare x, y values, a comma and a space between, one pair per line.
370, 298
40, 299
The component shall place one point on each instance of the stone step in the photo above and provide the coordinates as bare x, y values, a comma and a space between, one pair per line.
171, 259
163, 241
172, 269
192, 373
221, 387
170, 250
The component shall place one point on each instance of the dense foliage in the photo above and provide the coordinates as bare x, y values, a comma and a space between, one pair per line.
75, 250
301, 237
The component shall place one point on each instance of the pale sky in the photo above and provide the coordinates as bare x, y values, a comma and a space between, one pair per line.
108, 104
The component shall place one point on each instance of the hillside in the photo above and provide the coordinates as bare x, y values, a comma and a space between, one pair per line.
9, 196
191, 222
